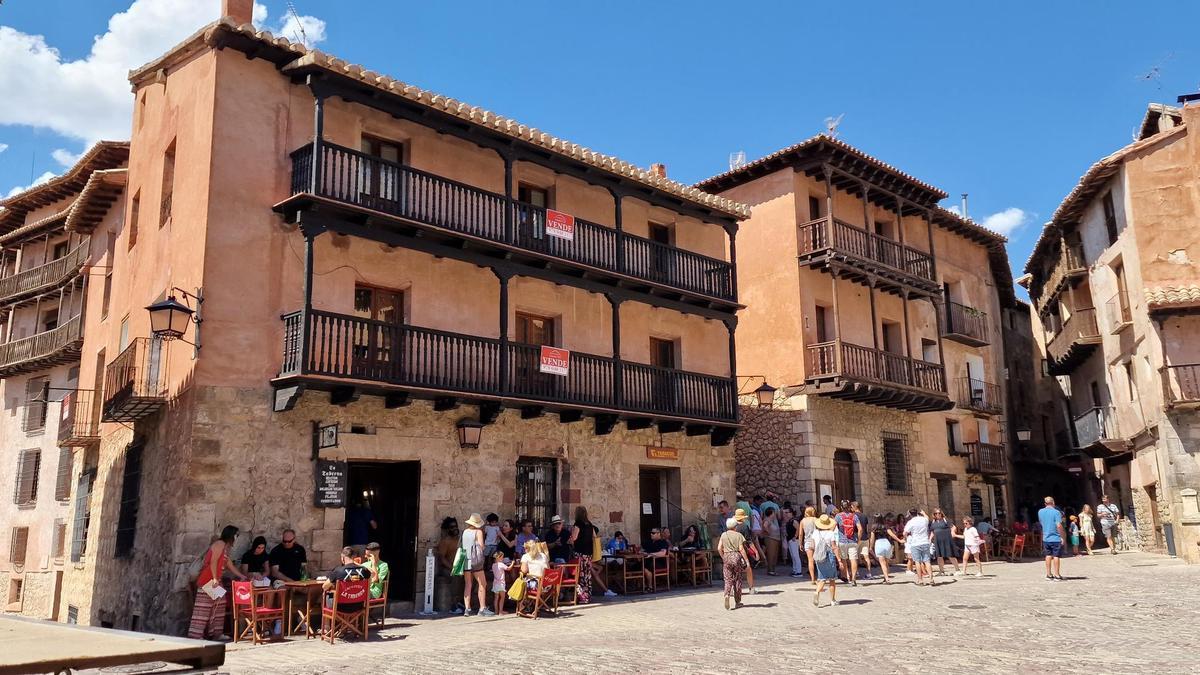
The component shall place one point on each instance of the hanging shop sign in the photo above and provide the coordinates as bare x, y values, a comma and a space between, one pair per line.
560, 225
653, 452
327, 436
332, 481
555, 361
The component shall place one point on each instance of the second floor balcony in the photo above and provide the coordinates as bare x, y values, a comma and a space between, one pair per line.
79, 418
1097, 432
827, 242
135, 382
325, 350
1076, 341
980, 396
54, 347
1181, 384
26, 284
524, 232
985, 458
965, 325
844, 370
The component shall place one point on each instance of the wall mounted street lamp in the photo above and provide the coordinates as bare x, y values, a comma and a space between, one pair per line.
470, 432
765, 394
1024, 434
169, 318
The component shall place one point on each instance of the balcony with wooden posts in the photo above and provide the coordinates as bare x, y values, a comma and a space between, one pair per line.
51, 348
865, 257
1070, 266
348, 355
1076, 341
1181, 385
985, 458
1120, 316
135, 382
979, 396
1097, 433
79, 418
965, 325
24, 285
847, 371
369, 192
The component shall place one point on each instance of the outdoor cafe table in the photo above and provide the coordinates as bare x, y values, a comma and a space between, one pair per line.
303, 597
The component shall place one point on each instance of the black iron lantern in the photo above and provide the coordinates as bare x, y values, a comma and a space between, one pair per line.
766, 395
169, 318
470, 432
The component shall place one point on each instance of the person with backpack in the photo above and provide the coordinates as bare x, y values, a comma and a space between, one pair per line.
849, 533
825, 553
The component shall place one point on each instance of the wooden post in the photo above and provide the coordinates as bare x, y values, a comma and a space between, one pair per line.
932, 251
733, 281
731, 326
837, 323
318, 140
503, 276
866, 206
900, 220
618, 375
618, 224
508, 197
46, 250
828, 171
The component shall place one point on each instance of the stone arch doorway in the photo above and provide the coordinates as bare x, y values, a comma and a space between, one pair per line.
843, 476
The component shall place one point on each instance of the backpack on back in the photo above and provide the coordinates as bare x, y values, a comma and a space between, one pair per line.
848, 528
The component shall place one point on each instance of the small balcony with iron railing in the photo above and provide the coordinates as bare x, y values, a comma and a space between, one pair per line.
79, 418
965, 325
444, 209
1097, 433
985, 458
843, 370
1076, 341
979, 396
24, 285
54, 347
1181, 384
1120, 316
135, 382
858, 254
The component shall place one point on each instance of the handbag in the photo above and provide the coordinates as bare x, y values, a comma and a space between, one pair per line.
596, 552
460, 562
752, 552
516, 592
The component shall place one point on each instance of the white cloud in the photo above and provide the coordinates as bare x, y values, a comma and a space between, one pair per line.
3, 147
298, 28
66, 157
956, 210
1007, 221
37, 181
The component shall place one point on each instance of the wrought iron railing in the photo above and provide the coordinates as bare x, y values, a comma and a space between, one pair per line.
359, 179
1119, 314
1094, 425
979, 395
985, 458
46, 276
838, 358
40, 346
135, 383
844, 238
1181, 383
79, 418
965, 321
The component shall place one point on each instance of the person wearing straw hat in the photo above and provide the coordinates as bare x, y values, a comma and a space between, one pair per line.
732, 549
473, 567
825, 553
742, 518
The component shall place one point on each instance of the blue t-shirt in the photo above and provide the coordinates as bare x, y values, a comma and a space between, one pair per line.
843, 520
1050, 518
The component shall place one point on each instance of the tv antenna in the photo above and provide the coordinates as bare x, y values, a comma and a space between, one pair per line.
299, 24
737, 160
831, 125
1155, 73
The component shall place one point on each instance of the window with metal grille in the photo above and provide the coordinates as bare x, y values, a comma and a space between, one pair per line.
895, 463
18, 545
60, 539
62, 485
28, 465
83, 514
1110, 218
72, 614
168, 185
35, 404
537, 490
131, 488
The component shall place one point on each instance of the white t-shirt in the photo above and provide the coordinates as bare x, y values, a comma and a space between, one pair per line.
490, 533
971, 537
1108, 512
917, 529
536, 565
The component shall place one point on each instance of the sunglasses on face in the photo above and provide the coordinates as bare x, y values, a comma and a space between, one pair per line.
289, 541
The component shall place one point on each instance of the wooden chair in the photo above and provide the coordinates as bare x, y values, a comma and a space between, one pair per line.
257, 607
1017, 549
695, 567
544, 596
337, 620
633, 568
569, 588
380, 602
660, 568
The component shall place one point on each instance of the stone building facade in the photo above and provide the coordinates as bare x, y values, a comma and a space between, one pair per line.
876, 315
1113, 284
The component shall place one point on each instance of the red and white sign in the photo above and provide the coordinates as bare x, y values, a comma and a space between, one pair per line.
559, 224
555, 361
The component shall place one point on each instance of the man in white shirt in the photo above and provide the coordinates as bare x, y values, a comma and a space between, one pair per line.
917, 529
1108, 514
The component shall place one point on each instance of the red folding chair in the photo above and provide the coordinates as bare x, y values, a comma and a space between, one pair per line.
544, 596
381, 601
253, 605
569, 588
337, 620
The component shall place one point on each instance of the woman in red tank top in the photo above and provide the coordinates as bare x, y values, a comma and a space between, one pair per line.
208, 613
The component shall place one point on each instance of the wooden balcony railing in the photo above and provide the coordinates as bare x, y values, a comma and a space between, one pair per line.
45, 276
1094, 425
986, 458
39, 350
1119, 315
342, 346
1181, 384
965, 324
838, 358
359, 179
846, 239
1079, 328
135, 383
1070, 263
979, 395
79, 418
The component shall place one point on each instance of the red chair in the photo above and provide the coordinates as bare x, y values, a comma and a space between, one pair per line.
544, 596
254, 605
337, 620
381, 601
1018, 548
570, 582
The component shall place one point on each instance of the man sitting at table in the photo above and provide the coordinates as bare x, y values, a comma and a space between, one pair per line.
288, 558
347, 571
558, 540
656, 554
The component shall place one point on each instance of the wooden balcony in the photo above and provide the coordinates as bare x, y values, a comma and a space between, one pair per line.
1119, 315
861, 374
965, 325
985, 458
1071, 265
44, 350
460, 214
24, 285
1076, 341
1097, 434
347, 355
854, 253
979, 396
79, 419
1181, 385
135, 382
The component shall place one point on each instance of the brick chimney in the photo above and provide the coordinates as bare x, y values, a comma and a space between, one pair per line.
241, 11
659, 170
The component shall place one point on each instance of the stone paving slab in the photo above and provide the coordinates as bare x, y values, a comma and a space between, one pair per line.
1132, 613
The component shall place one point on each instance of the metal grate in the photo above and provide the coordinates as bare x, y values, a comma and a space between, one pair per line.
131, 489
62, 485
83, 514
896, 466
28, 466
35, 404
18, 545
537, 490
60, 539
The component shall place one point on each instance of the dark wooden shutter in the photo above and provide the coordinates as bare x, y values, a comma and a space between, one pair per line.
62, 486
60, 538
35, 405
27, 477
20, 542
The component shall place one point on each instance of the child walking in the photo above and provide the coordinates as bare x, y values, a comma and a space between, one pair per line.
499, 567
972, 542
1074, 535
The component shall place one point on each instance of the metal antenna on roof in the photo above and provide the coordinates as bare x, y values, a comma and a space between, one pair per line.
831, 125
299, 24
1155, 73
737, 160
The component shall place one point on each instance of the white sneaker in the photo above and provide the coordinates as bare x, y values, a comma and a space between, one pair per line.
978, 575
910, 572
958, 573
609, 594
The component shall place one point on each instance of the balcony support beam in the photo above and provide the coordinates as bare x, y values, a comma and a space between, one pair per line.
837, 322
614, 303
318, 155
874, 320
503, 275
395, 400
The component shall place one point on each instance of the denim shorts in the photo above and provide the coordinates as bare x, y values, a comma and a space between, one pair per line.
920, 553
1052, 549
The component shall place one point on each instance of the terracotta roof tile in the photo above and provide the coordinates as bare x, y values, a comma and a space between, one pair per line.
102, 189
102, 155
1165, 297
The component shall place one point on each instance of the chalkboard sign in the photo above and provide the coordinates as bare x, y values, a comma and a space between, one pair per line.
976, 504
331, 484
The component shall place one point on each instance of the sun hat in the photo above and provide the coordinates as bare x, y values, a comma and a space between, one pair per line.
739, 515
556, 520
475, 520
824, 522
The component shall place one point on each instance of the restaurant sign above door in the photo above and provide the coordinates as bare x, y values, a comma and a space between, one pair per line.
654, 452
555, 361
560, 225
331, 485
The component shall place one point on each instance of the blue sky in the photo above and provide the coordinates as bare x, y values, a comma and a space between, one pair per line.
1009, 102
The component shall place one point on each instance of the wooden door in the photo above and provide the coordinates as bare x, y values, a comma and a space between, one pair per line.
381, 179
376, 346
843, 476
649, 501
533, 332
